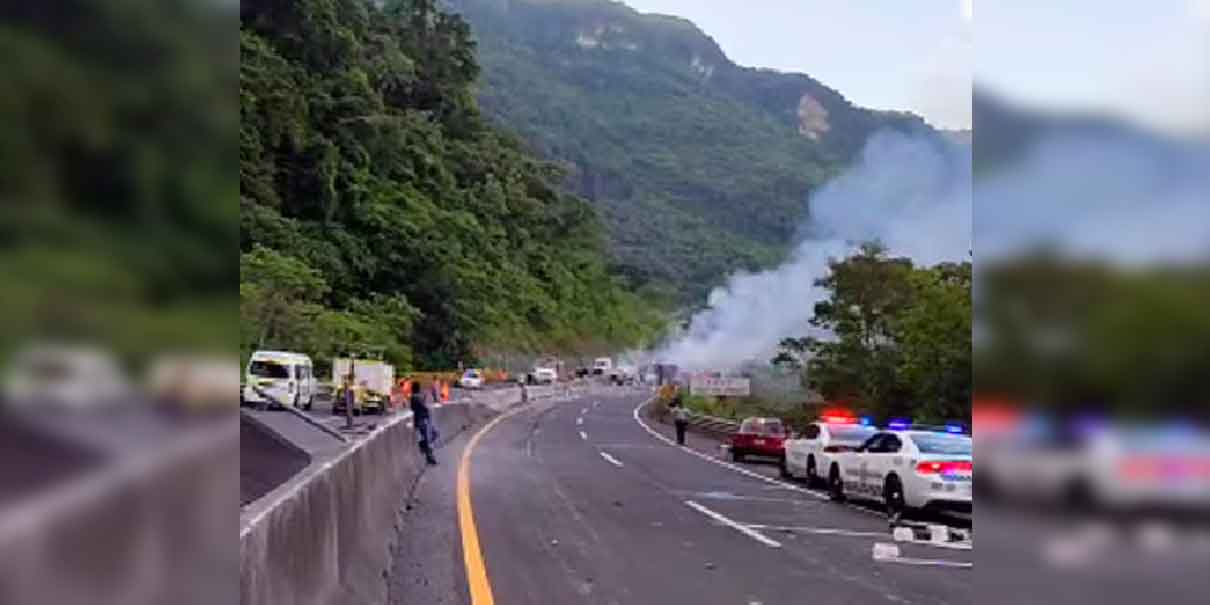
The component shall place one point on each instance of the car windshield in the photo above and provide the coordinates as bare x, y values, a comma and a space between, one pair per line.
853, 434
268, 369
471, 374
761, 426
943, 443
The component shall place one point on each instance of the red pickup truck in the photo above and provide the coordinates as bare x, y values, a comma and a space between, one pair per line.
764, 437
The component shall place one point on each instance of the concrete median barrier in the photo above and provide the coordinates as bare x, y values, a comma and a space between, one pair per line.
150, 523
324, 537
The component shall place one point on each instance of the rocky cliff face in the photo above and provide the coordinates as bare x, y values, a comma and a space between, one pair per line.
699, 165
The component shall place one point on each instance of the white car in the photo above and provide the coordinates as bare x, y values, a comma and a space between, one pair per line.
471, 379
907, 469
1141, 467
543, 375
602, 365
810, 454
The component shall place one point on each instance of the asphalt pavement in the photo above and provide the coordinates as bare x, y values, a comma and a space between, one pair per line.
582, 500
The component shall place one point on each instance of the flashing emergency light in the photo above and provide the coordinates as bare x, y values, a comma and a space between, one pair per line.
899, 424
956, 429
839, 419
866, 421
838, 416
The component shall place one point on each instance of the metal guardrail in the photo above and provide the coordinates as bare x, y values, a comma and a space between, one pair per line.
711, 424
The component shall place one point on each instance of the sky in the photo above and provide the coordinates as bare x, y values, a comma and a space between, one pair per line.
1147, 61
883, 54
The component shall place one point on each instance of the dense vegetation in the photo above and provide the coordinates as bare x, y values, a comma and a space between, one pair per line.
1081, 335
379, 209
901, 337
118, 220
700, 167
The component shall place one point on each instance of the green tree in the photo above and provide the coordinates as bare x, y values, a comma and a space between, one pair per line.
899, 337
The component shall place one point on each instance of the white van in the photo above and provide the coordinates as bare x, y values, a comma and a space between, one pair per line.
286, 378
601, 365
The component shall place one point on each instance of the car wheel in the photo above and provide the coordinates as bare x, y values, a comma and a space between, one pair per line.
835, 485
892, 497
812, 474
736, 456
310, 402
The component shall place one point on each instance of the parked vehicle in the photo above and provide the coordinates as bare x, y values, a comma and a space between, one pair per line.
69, 377
810, 453
601, 366
372, 383
193, 383
471, 379
544, 375
764, 437
623, 374
907, 469
279, 378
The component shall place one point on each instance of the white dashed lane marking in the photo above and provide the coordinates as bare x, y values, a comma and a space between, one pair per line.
823, 531
583, 435
611, 460
741, 528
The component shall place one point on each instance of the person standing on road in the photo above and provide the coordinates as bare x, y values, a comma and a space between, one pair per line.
423, 421
680, 418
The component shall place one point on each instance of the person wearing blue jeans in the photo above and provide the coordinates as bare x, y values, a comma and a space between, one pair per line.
422, 419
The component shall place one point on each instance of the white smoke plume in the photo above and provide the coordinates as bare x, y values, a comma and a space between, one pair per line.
912, 193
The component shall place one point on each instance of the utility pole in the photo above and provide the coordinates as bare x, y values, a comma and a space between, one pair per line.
350, 394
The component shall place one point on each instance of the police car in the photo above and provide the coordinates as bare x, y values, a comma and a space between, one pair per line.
908, 467
810, 453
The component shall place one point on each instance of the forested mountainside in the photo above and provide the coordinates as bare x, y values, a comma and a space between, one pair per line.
378, 208
699, 166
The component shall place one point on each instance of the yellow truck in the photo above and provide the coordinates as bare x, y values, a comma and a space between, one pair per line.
373, 380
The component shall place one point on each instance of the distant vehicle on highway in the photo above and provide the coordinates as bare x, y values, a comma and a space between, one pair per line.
763, 437
907, 469
623, 374
813, 450
543, 375
601, 366
70, 377
471, 379
279, 378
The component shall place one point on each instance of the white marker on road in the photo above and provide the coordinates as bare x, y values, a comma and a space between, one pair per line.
889, 553
583, 435
823, 531
579, 421
611, 460
740, 527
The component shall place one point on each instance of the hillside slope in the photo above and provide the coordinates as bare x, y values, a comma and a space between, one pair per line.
379, 210
700, 166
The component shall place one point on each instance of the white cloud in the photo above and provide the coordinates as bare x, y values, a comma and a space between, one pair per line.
1200, 9
968, 9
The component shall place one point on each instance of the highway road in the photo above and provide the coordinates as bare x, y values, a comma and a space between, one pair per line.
582, 500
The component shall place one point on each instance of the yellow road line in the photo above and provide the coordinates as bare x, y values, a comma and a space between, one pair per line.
472, 555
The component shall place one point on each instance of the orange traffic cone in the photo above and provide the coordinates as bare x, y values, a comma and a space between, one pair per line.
445, 392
